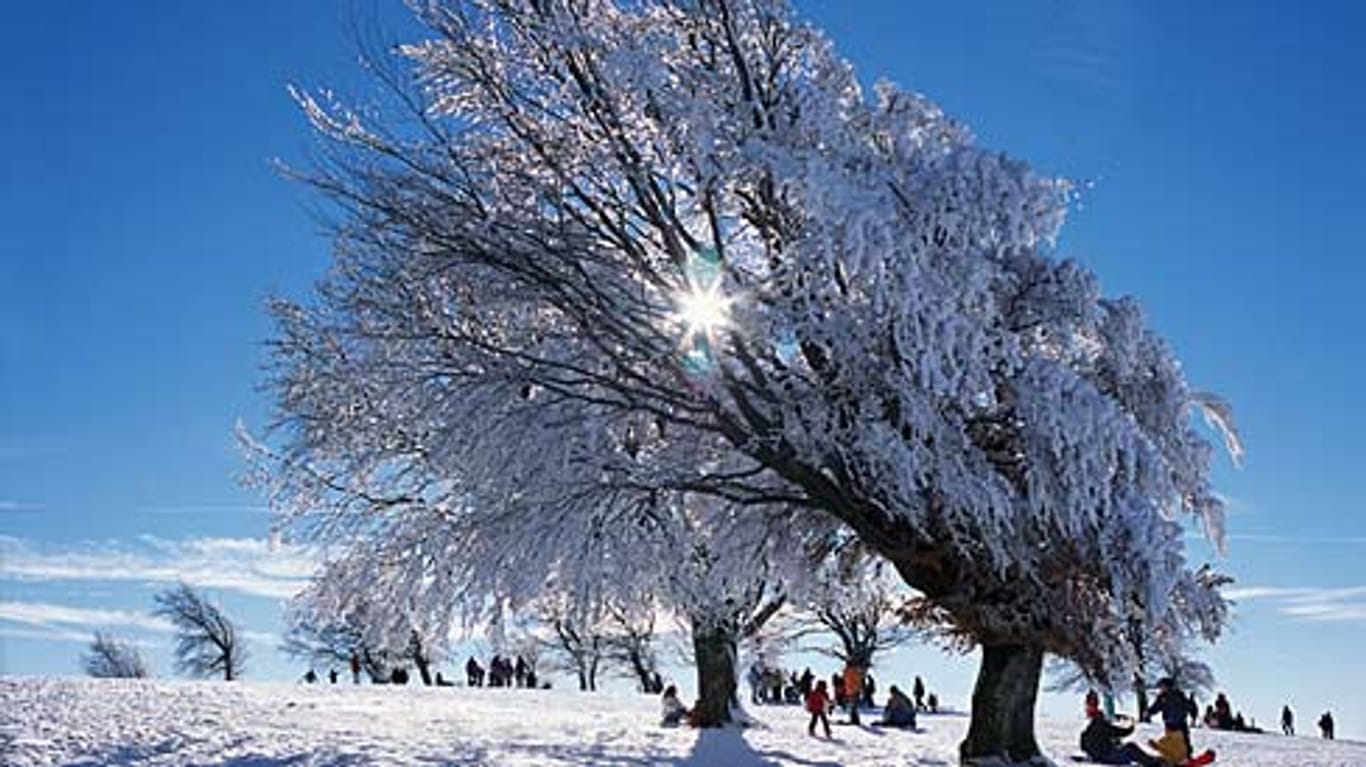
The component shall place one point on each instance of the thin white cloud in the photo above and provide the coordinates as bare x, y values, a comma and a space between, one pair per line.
6, 505
191, 509
244, 565
262, 637
50, 615
1310, 604
45, 635
1351, 540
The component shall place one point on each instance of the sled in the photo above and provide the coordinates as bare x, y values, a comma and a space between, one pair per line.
1199, 760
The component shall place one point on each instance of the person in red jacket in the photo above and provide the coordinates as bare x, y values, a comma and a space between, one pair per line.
818, 703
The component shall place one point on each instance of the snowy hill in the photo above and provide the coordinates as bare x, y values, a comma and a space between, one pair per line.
106, 722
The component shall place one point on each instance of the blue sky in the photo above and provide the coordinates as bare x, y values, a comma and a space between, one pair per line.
143, 228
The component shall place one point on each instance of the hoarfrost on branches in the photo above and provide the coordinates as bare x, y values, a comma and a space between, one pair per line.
511, 333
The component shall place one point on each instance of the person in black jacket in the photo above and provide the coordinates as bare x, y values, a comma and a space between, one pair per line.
1326, 725
1175, 708
1101, 742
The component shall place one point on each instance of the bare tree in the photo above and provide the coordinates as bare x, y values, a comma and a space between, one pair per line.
630, 643
207, 642
577, 641
333, 642
113, 658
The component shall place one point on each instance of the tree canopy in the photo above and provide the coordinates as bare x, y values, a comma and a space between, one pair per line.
617, 257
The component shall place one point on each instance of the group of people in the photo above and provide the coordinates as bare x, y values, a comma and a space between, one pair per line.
1103, 740
1220, 716
502, 672
854, 687
898, 712
1288, 723
851, 690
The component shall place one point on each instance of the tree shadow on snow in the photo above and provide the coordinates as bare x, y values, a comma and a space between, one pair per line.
711, 749
728, 746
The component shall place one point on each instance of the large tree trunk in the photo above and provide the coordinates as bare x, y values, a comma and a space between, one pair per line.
1003, 705
715, 651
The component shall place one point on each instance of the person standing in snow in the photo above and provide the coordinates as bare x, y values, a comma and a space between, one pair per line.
806, 683
1287, 720
1223, 712
918, 690
332, 676
818, 705
1175, 709
355, 668
519, 673
1326, 725
755, 677
869, 690
853, 690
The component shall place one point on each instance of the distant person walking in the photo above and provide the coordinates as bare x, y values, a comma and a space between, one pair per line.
1326, 725
355, 668
1287, 720
918, 691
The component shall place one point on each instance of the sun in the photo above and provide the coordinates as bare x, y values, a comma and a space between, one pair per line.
703, 310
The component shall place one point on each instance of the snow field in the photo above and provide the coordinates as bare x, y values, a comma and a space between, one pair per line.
46, 721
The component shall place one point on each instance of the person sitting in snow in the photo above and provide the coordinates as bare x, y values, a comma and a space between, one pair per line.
1101, 741
818, 705
1092, 704
674, 710
899, 711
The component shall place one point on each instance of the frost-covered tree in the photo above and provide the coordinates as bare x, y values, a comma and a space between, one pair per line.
113, 658
618, 249
631, 641
339, 616
857, 606
207, 642
579, 645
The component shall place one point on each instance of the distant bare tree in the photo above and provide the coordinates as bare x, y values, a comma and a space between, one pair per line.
207, 642
580, 647
111, 658
630, 643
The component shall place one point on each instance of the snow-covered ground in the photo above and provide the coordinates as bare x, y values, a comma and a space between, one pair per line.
105, 722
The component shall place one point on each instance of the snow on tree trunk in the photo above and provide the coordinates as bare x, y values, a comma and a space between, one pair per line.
715, 654
1003, 705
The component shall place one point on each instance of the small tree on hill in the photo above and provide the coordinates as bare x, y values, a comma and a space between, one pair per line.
207, 642
112, 658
